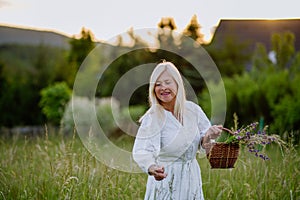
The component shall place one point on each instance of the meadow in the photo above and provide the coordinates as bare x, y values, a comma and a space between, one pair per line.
59, 167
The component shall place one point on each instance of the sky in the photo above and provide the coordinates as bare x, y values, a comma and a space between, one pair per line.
107, 19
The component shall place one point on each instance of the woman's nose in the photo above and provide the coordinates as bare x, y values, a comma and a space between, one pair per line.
163, 86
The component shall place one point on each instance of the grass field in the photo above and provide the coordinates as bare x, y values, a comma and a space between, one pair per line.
57, 167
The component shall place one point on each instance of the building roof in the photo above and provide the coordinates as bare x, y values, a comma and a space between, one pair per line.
254, 31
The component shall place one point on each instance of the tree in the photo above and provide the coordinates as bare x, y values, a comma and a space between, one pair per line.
260, 58
232, 58
80, 48
3, 90
193, 30
2, 78
165, 33
42, 70
268, 90
167, 23
283, 46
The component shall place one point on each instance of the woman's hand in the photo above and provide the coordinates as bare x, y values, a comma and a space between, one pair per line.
214, 131
158, 172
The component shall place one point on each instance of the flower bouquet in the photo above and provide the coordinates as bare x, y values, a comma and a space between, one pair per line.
224, 152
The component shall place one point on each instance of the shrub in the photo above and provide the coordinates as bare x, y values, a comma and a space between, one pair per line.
53, 101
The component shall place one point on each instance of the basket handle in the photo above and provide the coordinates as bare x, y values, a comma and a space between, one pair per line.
227, 130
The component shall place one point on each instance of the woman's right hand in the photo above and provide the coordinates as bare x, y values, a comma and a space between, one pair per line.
158, 172
214, 131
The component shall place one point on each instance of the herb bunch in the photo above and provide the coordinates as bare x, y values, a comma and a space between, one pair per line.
254, 138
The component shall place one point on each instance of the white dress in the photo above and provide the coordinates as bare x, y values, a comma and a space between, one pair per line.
174, 146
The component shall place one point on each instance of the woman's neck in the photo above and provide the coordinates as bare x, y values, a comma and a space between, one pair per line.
169, 106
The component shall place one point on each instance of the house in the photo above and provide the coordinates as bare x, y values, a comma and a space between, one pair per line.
254, 31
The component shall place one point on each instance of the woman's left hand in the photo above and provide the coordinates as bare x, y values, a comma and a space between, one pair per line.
214, 131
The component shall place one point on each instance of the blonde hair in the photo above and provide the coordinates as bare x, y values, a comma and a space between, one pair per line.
155, 106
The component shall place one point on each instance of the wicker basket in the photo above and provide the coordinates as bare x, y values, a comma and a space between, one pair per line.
222, 155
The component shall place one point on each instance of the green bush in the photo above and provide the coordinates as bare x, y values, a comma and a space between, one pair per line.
272, 96
286, 112
268, 92
53, 101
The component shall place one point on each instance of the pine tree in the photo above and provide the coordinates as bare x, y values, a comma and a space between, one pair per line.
165, 35
193, 30
80, 48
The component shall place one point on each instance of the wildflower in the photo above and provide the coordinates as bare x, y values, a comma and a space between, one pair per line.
252, 137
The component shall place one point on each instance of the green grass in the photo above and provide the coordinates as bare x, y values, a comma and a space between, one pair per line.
253, 178
61, 168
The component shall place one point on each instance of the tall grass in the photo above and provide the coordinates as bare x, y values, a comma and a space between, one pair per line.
253, 178
58, 167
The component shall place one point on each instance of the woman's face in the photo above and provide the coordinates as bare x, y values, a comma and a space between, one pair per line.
165, 88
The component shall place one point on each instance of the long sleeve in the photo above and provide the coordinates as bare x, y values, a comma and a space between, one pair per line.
147, 144
203, 121
203, 124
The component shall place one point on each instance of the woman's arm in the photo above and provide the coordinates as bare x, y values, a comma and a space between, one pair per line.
146, 145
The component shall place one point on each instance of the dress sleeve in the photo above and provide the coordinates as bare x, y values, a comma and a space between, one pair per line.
203, 124
203, 121
147, 144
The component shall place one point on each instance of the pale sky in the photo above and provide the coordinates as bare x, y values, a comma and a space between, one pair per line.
107, 19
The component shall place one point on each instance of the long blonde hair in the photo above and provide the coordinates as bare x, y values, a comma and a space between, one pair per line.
155, 106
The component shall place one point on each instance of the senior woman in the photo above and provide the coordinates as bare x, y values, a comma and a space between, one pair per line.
169, 136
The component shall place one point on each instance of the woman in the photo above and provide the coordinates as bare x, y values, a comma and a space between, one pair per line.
169, 137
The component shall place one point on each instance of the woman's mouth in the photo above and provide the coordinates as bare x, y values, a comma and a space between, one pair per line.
165, 93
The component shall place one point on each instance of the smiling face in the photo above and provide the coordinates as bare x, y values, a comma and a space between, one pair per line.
166, 90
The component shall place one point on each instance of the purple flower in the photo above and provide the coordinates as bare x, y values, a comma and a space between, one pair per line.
262, 156
254, 139
258, 132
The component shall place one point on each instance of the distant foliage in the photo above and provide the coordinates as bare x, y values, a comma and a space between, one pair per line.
259, 85
107, 111
25, 70
53, 101
80, 48
129, 118
81, 105
110, 115
232, 58
286, 111
269, 92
